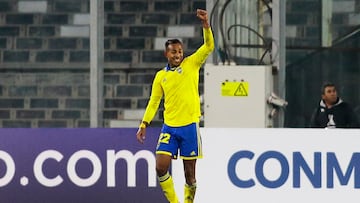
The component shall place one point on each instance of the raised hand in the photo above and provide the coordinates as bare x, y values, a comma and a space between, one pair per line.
203, 16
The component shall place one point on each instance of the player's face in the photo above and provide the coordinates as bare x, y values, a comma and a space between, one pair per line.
174, 53
330, 95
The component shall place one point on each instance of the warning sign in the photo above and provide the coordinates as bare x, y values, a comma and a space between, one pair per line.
235, 89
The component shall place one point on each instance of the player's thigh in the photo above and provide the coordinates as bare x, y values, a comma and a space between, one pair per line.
167, 142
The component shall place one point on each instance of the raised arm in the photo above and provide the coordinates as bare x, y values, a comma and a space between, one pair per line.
204, 51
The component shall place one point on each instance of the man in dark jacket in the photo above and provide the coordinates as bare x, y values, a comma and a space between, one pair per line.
332, 111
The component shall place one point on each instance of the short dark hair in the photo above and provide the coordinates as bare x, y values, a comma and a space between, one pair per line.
172, 41
325, 85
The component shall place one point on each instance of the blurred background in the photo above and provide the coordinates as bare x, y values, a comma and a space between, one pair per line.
88, 63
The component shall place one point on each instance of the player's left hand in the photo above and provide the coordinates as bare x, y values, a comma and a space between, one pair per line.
202, 15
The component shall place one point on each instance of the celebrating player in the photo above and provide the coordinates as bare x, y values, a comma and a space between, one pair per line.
178, 84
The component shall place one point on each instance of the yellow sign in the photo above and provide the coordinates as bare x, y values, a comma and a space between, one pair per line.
235, 89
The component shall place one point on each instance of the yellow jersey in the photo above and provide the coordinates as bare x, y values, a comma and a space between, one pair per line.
179, 88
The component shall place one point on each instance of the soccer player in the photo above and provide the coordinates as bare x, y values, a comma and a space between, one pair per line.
178, 84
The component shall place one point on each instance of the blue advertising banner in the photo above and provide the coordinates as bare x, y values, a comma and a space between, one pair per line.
78, 166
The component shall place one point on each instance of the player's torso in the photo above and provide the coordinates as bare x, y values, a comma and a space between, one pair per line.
179, 82
180, 88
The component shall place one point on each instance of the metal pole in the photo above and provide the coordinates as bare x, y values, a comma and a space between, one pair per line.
213, 58
326, 15
96, 62
278, 52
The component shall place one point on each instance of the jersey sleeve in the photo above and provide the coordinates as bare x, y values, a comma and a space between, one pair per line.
200, 55
154, 101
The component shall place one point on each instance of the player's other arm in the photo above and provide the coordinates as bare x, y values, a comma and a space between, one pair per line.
151, 109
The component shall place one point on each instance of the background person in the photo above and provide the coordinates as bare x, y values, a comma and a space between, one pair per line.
332, 111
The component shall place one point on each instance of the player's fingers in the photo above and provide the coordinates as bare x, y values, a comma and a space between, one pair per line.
140, 139
140, 135
200, 11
